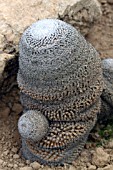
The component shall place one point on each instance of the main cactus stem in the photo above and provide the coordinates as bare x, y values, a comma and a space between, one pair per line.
60, 80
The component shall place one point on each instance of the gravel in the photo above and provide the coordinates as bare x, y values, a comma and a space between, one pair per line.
93, 157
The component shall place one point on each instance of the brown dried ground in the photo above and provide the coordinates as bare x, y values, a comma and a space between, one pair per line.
98, 152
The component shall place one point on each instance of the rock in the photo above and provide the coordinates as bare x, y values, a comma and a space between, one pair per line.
10, 165
110, 144
4, 58
4, 112
15, 166
4, 164
92, 167
1, 161
26, 168
74, 11
72, 168
27, 162
16, 156
108, 167
6, 152
14, 150
21, 164
100, 158
82, 14
85, 156
110, 1
47, 168
8, 69
35, 165
10, 34
79, 13
17, 108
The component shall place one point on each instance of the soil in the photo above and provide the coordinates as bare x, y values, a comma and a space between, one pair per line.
101, 34
98, 152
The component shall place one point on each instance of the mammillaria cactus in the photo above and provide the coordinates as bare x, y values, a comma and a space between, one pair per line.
60, 79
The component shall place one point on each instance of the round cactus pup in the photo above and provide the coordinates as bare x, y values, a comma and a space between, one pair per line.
32, 125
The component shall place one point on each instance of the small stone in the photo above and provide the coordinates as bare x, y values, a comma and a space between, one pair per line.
11, 155
6, 153
17, 108
4, 112
88, 164
16, 156
1, 161
110, 1
108, 167
47, 168
26, 168
14, 150
85, 156
35, 165
92, 167
28, 162
10, 165
4, 164
72, 168
21, 165
100, 158
15, 166
11, 160
110, 144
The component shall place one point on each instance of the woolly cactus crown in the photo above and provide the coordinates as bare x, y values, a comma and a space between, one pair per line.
54, 57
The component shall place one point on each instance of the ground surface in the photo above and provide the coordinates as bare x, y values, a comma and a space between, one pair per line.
98, 153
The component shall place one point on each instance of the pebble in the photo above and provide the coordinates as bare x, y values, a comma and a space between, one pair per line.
108, 167
100, 158
10, 165
17, 108
15, 166
28, 162
14, 150
6, 153
72, 168
26, 168
4, 164
85, 156
35, 165
110, 1
110, 144
21, 165
5, 112
1, 161
11, 160
16, 156
11, 155
92, 167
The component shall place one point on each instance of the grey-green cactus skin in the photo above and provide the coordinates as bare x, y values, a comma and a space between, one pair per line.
61, 82
107, 94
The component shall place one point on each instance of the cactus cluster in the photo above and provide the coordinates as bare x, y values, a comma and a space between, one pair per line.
60, 79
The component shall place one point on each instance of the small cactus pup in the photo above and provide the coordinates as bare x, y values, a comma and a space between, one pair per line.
107, 94
61, 83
